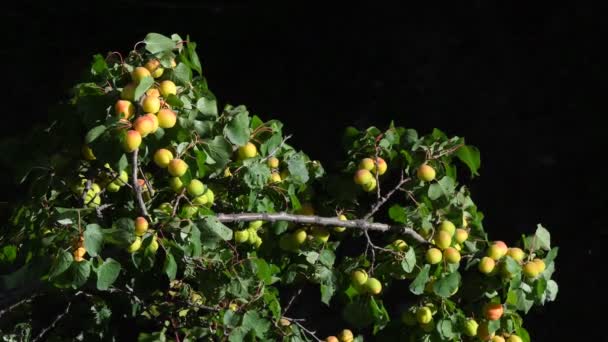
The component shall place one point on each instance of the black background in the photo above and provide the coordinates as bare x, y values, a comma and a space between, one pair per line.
524, 84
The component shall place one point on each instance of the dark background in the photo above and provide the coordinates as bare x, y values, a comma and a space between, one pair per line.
524, 84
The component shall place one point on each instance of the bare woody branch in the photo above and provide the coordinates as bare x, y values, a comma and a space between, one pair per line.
137, 188
321, 221
386, 197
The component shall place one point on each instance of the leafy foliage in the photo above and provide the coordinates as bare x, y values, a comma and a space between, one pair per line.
188, 274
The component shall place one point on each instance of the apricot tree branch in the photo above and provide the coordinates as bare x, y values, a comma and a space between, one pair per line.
310, 333
53, 324
386, 197
321, 221
276, 149
137, 188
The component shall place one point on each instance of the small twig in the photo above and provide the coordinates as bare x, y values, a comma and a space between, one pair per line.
137, 188
386, 197
309, 332
19, 303
101, 208
276, 149
181, 195
150, 188
293, 298
53, 324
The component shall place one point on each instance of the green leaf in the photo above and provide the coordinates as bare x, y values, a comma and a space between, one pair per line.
238, 334
143, 86
397, 213
207, 105
298, 172
219, 149
62, 262
551, 290
469, 155
93, 239
417, 286
253, 321
94, 133
99, 65
551, 255
170, 266
445, 286
446, 329
444, 187
212, 225
408, 263
327, 257
196, 63
183, 73
80, 272
542, 238
107, 273
156, 43
257, 175
237, 130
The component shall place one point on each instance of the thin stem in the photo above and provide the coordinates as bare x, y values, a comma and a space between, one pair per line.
137, 188
53, 324
386, 197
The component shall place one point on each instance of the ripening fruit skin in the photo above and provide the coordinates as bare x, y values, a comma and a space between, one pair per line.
362, 177
153, 92
135, 245
497, 338
461, 235
152, 65
531, 269
433, 256
541, 265
141, 226
275, 177
486, 265
128, 92
132, 141
124, 108
426, 173
368, 187
241, 236
483, 332
451, 255
189, 211
424, 315
195, 188
320, 234
358, 278
373, 286
153, 246
516, 253
256, 224
332, 339
497, 250
162, 157
346, 336
470, 327
399, 245
176, 184
340, 229
151, 104
299, 236
177, 167
273, 162
381, 166
139, 74
210, 196
167, 88
443, 239
493, 311
144, 125
514, 338
154, 121
166, 118
448, 226
79, 252
366, 164
246, 151
158, 72
87, 153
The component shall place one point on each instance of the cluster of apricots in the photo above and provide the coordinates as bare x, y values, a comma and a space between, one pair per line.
363, 283
344, 336
250, 235
447, 241
292, 241
141, 227
496, 253
364, 176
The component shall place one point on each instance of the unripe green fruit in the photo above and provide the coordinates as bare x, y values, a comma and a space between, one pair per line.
426, 173
249, 150
493, 311
514, 338
177, 167
124, 108
162, 157
253, 236
189, 211
433, 256
369, 187
95, 188
201, 200
144, 125
195, 188
340, 229
128, 92
132, 141
151, 104
424, 315
167, 88
241, 236
320, 234
362, 177
358, 278
451, 255
139, 74
497, 338
461, 235
366, 164
258, 242
486, 265
141, 226
541, 265
447, 226
516, 253
166, 118
275, 177
153, 246
135, 245
399, 245
87, 153
470, 327
409, 318
112, 187
176, 184
123, 178
373, 286
166, 208
346, 336
299, 236
210, 196
284, 174
531, 270
256, 224
443, 239
273, 162
497, 250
